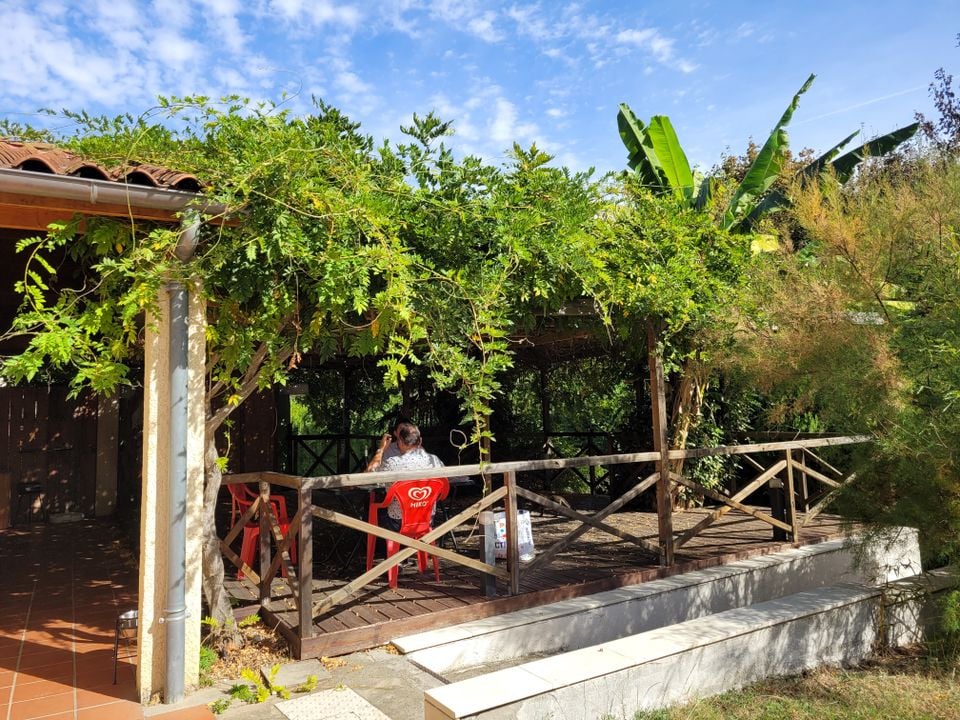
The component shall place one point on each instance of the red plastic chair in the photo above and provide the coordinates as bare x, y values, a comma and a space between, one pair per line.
242, 498
239, 490
417, 500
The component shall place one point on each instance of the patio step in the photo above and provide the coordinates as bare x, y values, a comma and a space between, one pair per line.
672, 664
474, 648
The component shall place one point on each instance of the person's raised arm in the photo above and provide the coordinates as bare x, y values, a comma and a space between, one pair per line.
378, 455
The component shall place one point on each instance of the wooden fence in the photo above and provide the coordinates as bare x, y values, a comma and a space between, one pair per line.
794, 471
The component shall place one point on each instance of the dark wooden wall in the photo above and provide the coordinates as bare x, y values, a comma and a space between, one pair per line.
47, 438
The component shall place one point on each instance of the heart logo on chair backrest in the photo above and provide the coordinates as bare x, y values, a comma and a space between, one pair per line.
418, 494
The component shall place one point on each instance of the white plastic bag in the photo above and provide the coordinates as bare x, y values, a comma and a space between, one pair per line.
524, 535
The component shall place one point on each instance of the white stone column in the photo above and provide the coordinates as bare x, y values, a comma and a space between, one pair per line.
154, 523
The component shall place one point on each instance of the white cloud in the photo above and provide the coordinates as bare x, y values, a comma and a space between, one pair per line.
505, 129
467, 16
482, 26
351, 83
319, 12
659, 46
530, 22
172, 13
223, 15
556, 112
175, 49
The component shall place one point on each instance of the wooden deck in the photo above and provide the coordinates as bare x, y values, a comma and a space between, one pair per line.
594, 563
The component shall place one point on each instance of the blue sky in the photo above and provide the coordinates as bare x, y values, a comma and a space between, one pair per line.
550, 72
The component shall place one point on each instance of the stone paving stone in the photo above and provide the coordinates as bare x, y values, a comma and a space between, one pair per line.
292, 675
342, 704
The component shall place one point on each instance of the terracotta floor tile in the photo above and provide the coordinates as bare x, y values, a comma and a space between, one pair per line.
105, 694
41, 707
33, 658
5, 693
115, 711
6, 678
199, 712
61, 672
87, 671
55, 671
44, 688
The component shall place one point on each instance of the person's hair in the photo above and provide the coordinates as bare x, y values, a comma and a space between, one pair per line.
408, 433
401, 420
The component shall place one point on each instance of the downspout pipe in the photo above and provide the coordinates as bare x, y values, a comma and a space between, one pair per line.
175, 612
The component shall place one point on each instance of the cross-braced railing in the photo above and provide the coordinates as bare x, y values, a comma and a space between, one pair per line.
799, 478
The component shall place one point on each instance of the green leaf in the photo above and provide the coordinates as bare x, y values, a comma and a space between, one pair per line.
642, 157
817, 166
881, 145
704, 194
673, 162
765, 167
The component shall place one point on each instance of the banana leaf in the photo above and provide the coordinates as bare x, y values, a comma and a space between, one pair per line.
765, 167
704, 193
847, 163
642, 157
815, 167
773, 200
673, 162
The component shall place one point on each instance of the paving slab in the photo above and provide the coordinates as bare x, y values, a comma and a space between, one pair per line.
339, 704
294, 674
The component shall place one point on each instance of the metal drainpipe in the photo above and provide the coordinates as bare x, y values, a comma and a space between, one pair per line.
175, 612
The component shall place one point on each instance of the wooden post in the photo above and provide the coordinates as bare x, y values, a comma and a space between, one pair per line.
488, 553
265, 535
658, 406
791, 501
804, 488
513, 539
305, 567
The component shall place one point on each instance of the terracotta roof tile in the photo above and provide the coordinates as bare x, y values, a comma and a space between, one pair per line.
40, 157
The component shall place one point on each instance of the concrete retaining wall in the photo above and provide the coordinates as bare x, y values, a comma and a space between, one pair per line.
583, 622
669, 665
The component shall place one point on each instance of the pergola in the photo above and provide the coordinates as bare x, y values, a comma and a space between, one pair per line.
40, 185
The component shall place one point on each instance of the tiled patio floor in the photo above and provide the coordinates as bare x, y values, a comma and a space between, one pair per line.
62, 589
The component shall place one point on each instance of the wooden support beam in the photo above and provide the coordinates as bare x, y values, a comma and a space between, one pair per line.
544, 558
814, 474
744, 493
696, 487
658, 406
822, 505
587, 520
513, 536
305, 566
792, 501
828, 466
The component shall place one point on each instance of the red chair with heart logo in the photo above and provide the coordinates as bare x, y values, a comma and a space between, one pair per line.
242, 498
417, 499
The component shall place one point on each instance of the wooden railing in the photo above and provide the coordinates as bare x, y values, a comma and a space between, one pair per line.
801, 477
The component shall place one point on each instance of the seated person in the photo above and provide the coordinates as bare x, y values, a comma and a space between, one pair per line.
388, 446
411, 456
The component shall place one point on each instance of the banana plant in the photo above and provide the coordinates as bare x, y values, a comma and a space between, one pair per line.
654, 153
